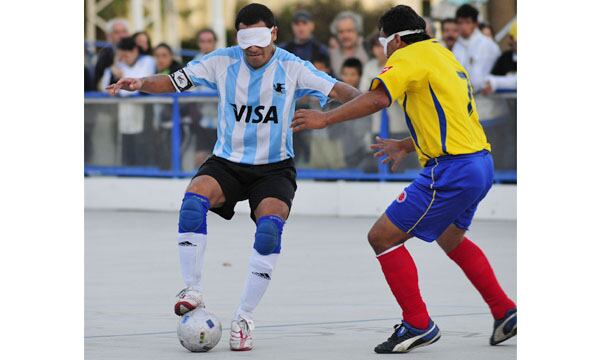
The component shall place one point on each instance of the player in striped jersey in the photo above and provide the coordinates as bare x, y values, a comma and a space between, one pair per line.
258, 85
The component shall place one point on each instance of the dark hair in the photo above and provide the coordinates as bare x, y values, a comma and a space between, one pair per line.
484, 25
373, 40
134, 36
467, 11
322, 58
400, 18
206, 30
164, 45
254, 13
353, 63
127, 44
448, 20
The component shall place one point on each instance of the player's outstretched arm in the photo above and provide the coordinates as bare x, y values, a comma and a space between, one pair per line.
152, 84
343, 92
365, 104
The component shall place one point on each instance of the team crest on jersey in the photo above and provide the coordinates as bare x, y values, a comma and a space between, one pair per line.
385, 69
402, 197
279, 87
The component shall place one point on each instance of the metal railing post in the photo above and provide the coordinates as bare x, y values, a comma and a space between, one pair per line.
384, 132
176, 137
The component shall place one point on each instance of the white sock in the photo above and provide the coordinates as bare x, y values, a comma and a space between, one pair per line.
191, 258
260, 269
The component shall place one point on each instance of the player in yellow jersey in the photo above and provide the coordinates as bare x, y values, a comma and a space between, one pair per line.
437, 97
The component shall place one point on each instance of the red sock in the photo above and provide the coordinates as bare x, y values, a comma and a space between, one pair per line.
476, 266
401, 275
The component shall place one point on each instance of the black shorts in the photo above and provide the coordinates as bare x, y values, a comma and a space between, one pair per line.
252, 182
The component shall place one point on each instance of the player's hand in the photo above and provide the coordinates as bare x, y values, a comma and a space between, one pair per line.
308, 119
128, 84
394, 150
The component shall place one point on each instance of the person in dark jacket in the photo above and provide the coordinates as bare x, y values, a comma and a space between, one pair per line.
304, 45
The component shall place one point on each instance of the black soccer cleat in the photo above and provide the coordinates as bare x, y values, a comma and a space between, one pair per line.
405, 338
504, 328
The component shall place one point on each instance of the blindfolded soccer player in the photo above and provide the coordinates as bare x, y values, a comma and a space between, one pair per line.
258, 85
437, 97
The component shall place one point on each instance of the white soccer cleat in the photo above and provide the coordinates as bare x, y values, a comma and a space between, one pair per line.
240, 338
187, 300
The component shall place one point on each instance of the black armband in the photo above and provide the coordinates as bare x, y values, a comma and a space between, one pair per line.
180, 80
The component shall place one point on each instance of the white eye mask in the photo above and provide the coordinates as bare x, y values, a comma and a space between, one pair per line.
258, 36
384, 41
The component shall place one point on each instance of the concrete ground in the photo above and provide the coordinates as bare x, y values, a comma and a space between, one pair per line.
328, 298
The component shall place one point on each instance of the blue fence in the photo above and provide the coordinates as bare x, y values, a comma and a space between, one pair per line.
175, 171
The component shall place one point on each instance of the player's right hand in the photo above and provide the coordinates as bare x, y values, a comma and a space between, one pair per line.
395, 150
129, 84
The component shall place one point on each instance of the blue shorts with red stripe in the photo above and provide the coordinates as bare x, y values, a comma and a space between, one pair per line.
446, 192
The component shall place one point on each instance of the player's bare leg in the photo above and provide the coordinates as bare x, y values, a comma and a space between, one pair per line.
400, 271
478, 270
202, 193
270, 215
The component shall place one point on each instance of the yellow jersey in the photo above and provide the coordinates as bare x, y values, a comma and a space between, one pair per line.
436, 93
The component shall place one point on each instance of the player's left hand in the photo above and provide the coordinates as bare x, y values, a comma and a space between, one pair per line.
308, 119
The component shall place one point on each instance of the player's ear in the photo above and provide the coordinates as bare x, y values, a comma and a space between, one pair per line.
274, 33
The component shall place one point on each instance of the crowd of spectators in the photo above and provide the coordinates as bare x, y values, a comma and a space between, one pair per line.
350, 55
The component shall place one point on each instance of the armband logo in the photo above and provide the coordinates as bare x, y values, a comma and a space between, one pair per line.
385, 69
181, 80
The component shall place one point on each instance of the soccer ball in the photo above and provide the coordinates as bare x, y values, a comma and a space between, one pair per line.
199, 330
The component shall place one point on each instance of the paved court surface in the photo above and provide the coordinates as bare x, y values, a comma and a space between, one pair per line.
327, 300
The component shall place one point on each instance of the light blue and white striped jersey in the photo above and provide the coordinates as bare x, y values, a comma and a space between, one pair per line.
256, 106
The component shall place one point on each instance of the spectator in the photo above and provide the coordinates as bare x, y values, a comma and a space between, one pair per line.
130, 63
353, 135
475, 51
304, 45
504, 73
486, 29
347, 27
322, 63
143, 42
207, 42
396, 121
449, 32
117, 29
165, 62
203, 116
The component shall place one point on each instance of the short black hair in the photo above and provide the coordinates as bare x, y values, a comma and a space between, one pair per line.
448, 20
353, 63
322, 58
127, 44
400, 18
206, 30
467, 11
166, 46
254, 13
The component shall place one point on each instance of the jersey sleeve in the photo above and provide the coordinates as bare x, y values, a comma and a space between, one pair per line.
314, 82
396, 77
196, 73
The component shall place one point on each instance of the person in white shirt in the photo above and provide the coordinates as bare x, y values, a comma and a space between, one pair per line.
475, 51
130, 63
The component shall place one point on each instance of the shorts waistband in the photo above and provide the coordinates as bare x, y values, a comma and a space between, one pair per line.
456, 157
